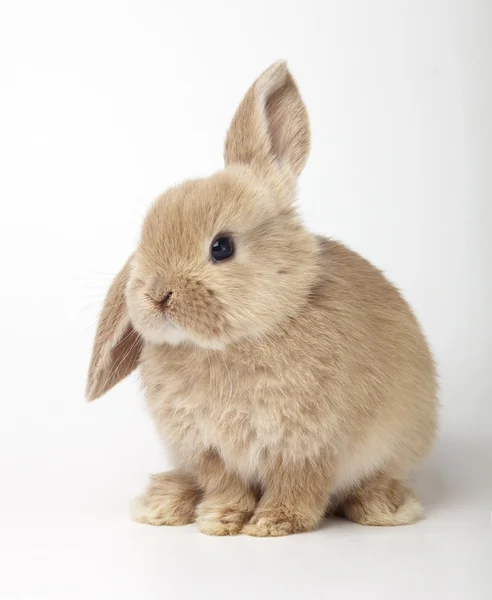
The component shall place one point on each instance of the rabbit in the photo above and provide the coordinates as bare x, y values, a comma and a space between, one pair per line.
286, 376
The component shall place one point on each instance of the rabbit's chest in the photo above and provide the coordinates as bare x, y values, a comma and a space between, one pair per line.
244, 411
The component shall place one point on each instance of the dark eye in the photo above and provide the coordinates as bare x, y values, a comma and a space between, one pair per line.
222, 248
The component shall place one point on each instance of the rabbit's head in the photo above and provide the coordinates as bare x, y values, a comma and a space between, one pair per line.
221, 258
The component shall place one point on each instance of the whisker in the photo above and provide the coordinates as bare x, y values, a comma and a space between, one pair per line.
89, 306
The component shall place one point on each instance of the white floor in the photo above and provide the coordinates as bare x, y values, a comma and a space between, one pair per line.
66, 534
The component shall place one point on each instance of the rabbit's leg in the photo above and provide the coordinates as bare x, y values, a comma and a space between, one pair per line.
227, 501
294, 499
381, 501
170, 499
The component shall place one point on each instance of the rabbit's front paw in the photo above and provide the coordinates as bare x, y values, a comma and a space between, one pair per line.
170, 499
275, 522
216, 519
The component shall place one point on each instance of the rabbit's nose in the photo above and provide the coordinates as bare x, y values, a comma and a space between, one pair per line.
164, 301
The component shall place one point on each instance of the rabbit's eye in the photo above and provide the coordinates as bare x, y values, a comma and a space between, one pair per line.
222, 248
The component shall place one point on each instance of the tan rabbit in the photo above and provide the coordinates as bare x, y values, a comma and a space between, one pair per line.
286, 375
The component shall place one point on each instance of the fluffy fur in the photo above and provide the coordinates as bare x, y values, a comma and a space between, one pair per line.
286, 381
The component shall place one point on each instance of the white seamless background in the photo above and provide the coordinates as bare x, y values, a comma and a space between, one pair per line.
103, 105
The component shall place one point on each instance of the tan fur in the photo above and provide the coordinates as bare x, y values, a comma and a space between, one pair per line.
170, 499
287, 379
381, 501
116, 342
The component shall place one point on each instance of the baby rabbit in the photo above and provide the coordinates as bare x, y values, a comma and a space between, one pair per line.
287, 376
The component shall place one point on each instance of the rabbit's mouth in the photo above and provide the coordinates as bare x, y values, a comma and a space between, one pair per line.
175, 310
169, 333
158, 327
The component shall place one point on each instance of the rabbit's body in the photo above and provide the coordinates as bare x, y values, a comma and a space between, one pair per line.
283, 371
347, 379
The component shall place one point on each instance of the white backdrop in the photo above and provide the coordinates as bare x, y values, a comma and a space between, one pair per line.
103, 105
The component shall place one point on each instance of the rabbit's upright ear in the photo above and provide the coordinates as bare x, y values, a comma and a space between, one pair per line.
117, 345
271, 124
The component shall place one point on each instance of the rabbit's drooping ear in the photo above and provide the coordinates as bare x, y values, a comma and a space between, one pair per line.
271, 124
117, 345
